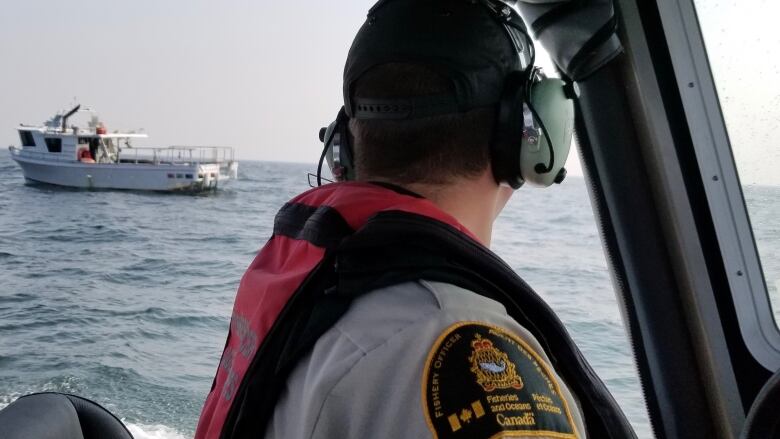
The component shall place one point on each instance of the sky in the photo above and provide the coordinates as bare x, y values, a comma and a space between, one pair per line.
743, 45
263, 76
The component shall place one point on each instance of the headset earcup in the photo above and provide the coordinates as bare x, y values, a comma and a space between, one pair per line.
345, 150
508, 133
338, 151
326, 137
556, 113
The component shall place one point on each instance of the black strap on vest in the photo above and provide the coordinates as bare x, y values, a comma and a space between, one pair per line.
396, 247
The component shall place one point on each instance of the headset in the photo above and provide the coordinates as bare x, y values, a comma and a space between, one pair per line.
337, 149
533, 132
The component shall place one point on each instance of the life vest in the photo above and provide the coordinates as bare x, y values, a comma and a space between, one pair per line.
331, 244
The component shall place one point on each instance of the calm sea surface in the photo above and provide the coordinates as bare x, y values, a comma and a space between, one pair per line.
124, 297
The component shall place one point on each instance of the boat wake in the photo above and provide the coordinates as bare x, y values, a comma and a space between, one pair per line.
140, 431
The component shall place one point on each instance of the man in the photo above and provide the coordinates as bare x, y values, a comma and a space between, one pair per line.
376, 310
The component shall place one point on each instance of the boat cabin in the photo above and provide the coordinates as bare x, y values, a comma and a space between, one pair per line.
55, 140
84, 145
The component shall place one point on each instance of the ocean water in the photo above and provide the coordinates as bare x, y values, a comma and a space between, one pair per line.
125, 297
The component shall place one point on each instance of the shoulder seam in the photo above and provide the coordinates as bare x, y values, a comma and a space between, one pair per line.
422, 284
349, 338
430, 288
365, 354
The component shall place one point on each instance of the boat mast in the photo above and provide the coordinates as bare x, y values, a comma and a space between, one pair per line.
67, 115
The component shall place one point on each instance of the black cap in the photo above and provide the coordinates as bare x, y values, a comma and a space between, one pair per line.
470, 42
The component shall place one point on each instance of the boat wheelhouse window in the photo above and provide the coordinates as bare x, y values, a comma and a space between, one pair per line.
728, 83
54, 144
84, 140
188, 176
738, 37
27, 138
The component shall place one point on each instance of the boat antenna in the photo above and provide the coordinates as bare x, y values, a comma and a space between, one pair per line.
67, 115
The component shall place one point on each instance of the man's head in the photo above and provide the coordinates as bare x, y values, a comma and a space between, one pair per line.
422, 83
433, 150
441, 96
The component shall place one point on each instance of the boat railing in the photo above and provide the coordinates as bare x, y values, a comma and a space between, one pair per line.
177, 154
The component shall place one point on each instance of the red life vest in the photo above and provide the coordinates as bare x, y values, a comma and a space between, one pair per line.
281, 267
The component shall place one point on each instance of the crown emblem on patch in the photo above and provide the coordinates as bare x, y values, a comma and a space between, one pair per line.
492, 367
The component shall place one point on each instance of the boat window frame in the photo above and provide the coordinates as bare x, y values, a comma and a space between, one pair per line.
27, 139
53, 144
722, 186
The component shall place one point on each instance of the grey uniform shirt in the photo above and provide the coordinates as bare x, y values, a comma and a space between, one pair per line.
376, 373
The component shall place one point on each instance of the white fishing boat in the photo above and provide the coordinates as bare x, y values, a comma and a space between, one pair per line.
91, 157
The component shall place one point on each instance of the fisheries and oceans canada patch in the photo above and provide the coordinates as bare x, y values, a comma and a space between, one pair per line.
482, 381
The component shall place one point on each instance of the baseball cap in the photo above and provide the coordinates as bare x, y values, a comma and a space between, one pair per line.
475, 44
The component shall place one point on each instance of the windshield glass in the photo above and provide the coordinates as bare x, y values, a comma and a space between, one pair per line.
742, 42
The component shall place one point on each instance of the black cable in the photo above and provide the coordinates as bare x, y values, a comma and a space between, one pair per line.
540, 168
325, 152
319, 165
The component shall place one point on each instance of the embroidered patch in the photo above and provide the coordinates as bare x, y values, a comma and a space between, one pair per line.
481, 381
